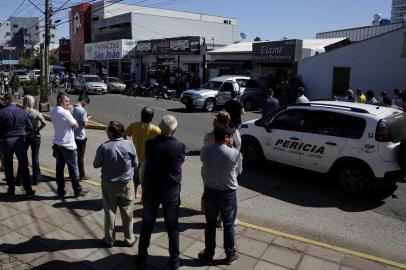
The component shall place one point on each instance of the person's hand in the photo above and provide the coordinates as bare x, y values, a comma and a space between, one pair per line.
229, 141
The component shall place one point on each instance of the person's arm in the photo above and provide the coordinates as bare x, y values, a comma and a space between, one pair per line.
127, 131
98, 159
43, 122
85, 119
28, 124
71, 120
242, 111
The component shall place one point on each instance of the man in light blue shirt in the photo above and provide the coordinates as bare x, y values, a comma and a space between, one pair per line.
80, 115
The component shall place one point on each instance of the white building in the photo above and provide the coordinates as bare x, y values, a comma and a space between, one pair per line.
124, 21
378, 63
398, 13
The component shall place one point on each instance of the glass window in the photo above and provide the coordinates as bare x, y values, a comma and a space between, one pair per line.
227, 87
212, 85
289, 120
92, 79
335, 124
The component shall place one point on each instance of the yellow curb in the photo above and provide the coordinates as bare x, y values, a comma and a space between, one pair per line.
292, 236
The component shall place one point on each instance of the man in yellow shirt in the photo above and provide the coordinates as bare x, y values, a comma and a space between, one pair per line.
140, 132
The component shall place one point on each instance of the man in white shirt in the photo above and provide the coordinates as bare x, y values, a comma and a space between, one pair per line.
65, 146
301, 98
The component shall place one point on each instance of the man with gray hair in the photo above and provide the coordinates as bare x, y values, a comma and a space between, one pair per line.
164, 157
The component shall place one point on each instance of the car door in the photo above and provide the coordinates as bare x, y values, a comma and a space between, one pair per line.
283, 135
224, 92
324, 137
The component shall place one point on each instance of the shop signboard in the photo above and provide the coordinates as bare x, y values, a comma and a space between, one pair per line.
173, 46
64, 50
110, 50
284, 51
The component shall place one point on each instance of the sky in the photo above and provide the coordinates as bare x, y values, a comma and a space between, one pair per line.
268, 19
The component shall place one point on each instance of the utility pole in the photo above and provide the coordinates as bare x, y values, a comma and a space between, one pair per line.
44, 104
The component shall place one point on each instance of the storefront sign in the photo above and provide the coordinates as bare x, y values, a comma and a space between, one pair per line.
285, 51
110, 50
64, 50
173, 46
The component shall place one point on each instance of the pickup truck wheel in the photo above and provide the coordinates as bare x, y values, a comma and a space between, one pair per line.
209, 105
354, 178
251, 151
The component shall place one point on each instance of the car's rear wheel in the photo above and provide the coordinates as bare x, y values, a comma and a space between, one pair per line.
353, 178
209, 105
251, 151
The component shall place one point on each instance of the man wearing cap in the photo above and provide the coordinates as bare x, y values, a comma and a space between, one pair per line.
221, 164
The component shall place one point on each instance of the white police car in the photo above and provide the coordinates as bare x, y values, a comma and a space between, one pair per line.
360, 145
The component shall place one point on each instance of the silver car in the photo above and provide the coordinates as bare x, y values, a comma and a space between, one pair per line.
22, 75
114, 85
90, 84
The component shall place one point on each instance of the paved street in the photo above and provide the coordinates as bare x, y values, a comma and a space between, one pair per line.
274, 196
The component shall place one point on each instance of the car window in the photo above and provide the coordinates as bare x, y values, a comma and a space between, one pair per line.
115, 80
242, 82
227, 87
289, 120
212, 85
334, 124
92, 79
251, 84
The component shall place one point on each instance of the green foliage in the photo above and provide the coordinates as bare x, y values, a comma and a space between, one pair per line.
27, 63
32, 87
257, 39
53, 59
15, 83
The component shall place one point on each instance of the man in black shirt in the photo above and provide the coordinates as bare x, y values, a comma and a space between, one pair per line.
235, 109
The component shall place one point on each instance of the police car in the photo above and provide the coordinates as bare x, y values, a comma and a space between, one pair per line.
360, 145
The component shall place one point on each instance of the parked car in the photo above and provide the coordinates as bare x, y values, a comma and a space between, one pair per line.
35, 73
22, 75
359, 145
89, 84
214, 92
253, 96
114, 84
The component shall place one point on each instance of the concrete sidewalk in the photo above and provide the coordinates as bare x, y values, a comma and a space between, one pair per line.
48, 233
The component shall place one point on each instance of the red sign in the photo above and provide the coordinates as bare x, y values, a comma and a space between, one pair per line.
80, 24
64, 50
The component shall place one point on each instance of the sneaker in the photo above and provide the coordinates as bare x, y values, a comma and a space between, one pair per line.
107, 244
85, 177
83, 193
204, 258
130, 244
232, 259
62, 194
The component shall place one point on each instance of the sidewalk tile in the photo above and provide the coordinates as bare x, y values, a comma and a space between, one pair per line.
282, 256
60, 219
324, 253
198, 246
7, 211
75, 251
360, 263
289, 243
251, 247
53, 261
38, 227
261, 265
80, 228
391, 268
10, 240
18, 221
4, 229
42, 211
312, 263
158, 257
348, 268
239, 230
97, 217
184, 242
29, 251
194, 233
191, 263
56, 239
243, 263
25, 205
258, 235
107, 263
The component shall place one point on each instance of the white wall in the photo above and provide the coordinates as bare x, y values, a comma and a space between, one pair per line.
375, 63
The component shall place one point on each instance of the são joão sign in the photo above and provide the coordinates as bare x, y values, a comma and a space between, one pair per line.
284, 51
110, 50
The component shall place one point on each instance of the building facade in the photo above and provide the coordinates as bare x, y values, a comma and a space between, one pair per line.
377, 64
398, 13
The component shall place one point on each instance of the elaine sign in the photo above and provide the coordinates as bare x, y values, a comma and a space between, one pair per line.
110, 50
285, 51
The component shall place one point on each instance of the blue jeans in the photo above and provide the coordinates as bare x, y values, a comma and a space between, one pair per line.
35, 143
16, 145
225, 203
65, 156
170, 205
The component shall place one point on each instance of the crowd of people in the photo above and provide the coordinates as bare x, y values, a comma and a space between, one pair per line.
397, 101
152, 159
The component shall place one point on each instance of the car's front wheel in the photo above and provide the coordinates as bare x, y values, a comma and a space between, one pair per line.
251, 151
353, 178
209, 105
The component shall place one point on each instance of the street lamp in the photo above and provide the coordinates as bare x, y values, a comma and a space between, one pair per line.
212, 40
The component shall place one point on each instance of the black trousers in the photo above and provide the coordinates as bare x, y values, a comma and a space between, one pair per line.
81, 144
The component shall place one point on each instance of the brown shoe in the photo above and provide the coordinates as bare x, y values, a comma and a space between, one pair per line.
85, 177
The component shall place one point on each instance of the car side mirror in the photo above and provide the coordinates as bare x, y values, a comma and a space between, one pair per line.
268, 127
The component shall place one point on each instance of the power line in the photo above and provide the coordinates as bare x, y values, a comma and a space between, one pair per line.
15, 11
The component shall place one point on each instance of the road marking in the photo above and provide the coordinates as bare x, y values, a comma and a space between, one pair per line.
288, 235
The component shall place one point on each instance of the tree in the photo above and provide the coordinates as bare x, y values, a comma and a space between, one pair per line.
53, 58
257, 39
27, 63
15, 83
